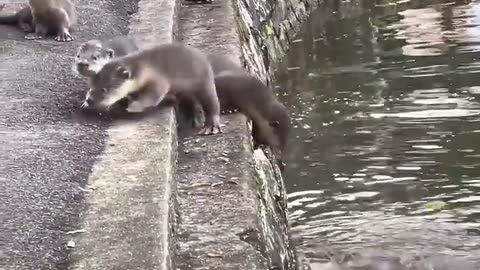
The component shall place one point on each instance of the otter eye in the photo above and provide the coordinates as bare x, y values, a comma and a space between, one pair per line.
78, 55
104, 90
94, 58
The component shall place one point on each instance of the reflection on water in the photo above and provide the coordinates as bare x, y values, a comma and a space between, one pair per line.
385, 149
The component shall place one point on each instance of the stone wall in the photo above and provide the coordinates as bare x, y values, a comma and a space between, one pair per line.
267, 27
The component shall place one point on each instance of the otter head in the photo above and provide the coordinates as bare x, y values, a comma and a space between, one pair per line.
111, 84
91, 57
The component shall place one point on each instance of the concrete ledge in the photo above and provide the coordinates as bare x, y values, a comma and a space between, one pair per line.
217, 198
130, 219
218, 227
129, 200
155, 22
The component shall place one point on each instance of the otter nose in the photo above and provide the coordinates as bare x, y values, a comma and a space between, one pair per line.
89, 101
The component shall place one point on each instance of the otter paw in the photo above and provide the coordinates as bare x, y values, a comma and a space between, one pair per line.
64, 37
210, 130
135, 107
84, 105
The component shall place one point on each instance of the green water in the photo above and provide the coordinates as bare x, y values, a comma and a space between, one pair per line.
384, 153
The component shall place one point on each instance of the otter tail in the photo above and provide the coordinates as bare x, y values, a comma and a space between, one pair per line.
9, 19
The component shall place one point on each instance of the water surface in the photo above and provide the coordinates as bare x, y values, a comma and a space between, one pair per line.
384, 153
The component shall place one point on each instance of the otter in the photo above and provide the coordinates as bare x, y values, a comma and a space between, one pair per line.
240, 91
22, 18
94, 54
187, 105
52, 17
250, 96
147, 76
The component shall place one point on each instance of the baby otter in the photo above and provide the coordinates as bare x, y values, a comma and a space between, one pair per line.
22, 18
52, 17
94, 54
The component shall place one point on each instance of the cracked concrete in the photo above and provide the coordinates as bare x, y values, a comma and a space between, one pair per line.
48, 147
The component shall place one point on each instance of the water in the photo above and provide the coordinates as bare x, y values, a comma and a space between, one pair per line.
384, 154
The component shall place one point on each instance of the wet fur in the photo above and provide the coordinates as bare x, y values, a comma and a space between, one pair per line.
239, 90
249, 95
52, 17
152, 74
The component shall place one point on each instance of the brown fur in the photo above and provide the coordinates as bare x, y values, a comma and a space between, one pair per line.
52, 17
222, 64
237, 90
249, 95
164, 70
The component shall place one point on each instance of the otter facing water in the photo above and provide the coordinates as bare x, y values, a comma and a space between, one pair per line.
52, 17
240, 91
149, 75
247, 94
94, 54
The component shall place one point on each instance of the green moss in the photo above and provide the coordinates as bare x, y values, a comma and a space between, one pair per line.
269, 30
241, 29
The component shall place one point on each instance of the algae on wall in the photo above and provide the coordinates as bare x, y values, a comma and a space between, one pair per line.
278, 250
267, 27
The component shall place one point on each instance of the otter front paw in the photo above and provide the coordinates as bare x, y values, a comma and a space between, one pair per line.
135, 107
64, 37
211, 127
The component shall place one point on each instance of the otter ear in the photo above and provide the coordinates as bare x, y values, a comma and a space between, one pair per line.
123, 72
110, 53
